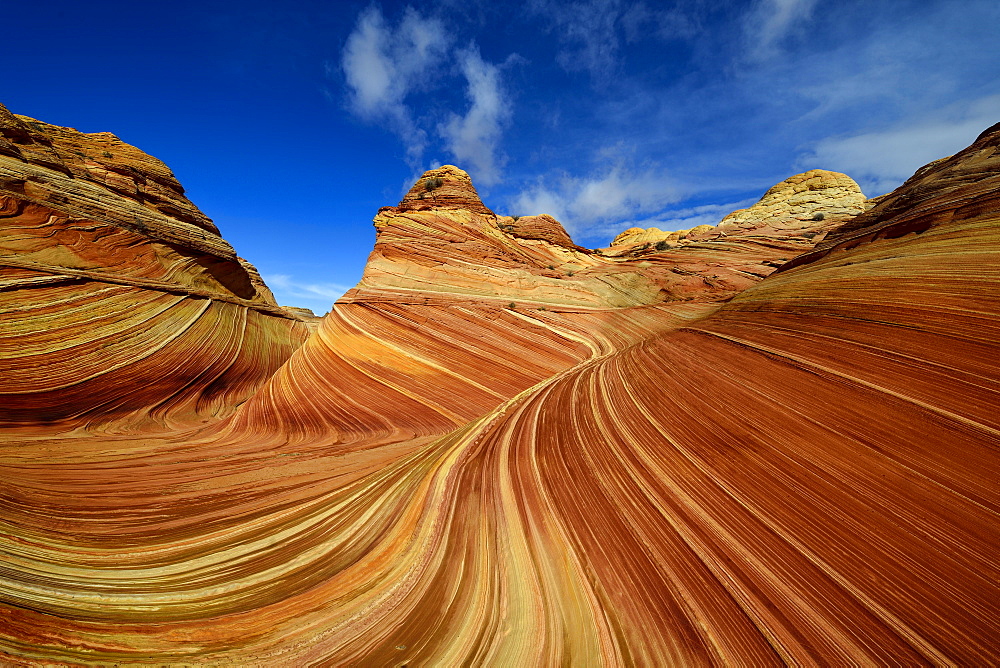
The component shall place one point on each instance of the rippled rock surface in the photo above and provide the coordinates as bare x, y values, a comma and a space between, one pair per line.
799, 469
119, 300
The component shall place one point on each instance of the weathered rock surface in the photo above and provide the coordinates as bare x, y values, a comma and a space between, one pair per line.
446, 187
962, 186
459, 250
118, 297
804, 205
541, 228
798, 202
804, 473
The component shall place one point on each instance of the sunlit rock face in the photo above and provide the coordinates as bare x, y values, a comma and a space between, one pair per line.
796, 204
799, 471
802, 206
442, 243
118, 298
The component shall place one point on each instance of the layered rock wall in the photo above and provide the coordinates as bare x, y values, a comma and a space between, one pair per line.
118, 297
454, 248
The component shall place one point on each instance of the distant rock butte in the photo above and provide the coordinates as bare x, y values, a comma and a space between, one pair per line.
798, 202
804, 205
442, 243
682, 457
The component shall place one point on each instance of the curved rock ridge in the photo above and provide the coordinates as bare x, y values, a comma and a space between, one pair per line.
804, 473
99, 176
118, 298
962, 186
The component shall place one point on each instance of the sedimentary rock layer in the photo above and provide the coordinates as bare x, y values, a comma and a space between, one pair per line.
451, 248
119, 301
803, 474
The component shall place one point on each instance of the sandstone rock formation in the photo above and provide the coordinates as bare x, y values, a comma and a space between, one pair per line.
806, 204
793, 204
652, 235
446, 187
802, 473
459, 250
118, 297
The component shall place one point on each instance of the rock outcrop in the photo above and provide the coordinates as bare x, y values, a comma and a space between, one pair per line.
798, 203
961, 187
805, 205
444, 188
800, 473
540, 228
454, 248
118, 297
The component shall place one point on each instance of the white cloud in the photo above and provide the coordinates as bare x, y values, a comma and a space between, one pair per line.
369, 69
473, 139
771, 22
383, 66
317, 296
685, 219
582, 203
881, 161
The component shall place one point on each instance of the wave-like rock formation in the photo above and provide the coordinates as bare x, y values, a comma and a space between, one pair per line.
119, 300
801, 473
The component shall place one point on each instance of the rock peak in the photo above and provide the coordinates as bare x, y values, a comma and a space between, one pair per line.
446, 187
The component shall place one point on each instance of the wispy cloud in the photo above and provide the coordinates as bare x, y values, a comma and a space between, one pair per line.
881, 160
772, 22
686, 218
291, 292
383, 65
474, 138
641, 21
592, 33
583, 203
587, 33
730, 99
399, 76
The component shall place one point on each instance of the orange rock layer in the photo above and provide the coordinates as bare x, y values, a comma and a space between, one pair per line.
119, 301
802, 474
457, 250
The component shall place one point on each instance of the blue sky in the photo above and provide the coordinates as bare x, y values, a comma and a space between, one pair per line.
291, 123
